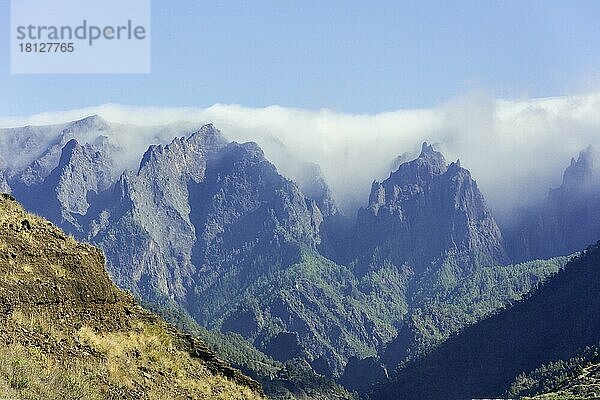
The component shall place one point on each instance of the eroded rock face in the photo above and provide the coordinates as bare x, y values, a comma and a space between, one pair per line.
200, 209
43, 266
83, 173
425, 210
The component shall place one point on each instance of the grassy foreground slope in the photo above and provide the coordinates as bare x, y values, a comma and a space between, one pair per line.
66, 332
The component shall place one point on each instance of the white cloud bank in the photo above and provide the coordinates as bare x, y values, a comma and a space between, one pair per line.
515, 149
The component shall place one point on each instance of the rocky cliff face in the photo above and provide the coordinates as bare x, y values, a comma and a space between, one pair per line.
567, 219
198, 210
61, 315
145, 225
82, 174
423, 212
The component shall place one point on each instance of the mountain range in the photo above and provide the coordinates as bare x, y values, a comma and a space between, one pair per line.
210, 230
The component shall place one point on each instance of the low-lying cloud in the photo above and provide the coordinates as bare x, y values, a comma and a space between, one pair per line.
515, 149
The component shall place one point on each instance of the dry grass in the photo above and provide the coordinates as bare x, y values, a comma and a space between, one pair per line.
38, 323
142, 363
26, 373
49, 286
146, 358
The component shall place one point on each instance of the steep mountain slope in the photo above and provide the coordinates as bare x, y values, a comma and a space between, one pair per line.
208, 217
280, 380
556, 322
575, 378
585, 385
315, 309
567, 219
444, 304
70, 333
424, 212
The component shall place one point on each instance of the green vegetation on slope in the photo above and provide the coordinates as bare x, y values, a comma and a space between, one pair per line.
577, 377
552, 323
338, 315
290, 380
335, 314
448, 299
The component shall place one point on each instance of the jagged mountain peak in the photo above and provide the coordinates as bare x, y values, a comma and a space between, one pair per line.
581, 171
427, 209
208, 135
70, 146
199, 197
429, 152
203, 141
456, 167
566, 220
206, 129
68, 152
429, 163
99, 148
426, 148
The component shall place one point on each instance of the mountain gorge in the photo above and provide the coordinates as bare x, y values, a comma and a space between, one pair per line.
213, 229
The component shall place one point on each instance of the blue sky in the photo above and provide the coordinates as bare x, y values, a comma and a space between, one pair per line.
349, 56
